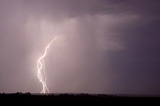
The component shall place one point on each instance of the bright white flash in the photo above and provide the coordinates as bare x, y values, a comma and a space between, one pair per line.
41, 69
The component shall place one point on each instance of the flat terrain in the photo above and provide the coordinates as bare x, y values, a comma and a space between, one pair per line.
78, 98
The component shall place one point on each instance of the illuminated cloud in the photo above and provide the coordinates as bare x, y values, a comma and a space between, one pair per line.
103, 46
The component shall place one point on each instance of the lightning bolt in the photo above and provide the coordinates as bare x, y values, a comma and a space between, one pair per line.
41, 69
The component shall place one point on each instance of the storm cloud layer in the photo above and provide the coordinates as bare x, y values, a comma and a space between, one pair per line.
103, 46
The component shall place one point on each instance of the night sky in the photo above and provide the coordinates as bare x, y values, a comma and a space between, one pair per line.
103, 46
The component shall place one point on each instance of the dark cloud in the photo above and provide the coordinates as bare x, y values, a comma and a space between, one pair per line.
103, 46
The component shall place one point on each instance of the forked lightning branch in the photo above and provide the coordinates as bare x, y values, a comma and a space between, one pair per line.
41, 70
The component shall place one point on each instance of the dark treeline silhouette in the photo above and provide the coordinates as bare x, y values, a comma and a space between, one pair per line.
79, 98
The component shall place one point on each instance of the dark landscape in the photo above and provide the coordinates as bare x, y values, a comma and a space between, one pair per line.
78, 98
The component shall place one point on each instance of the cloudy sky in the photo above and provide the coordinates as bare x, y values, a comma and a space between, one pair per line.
102, 46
